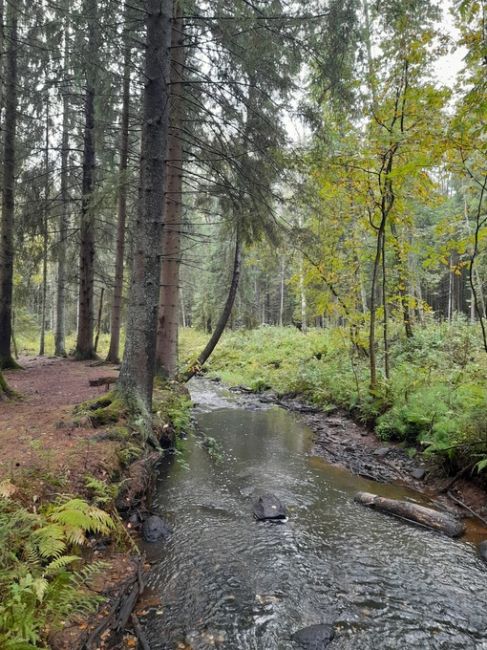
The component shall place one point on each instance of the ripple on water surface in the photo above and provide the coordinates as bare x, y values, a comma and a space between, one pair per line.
227, 581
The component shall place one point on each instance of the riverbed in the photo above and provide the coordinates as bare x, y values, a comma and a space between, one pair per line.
224, 580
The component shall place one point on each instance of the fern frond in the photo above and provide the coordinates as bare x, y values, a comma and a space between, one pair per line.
77, 513
50, 540
60, 563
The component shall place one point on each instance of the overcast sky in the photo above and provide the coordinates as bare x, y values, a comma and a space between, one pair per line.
449, 66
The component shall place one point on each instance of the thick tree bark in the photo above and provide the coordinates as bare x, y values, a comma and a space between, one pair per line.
60, 333
45, 237
167, 332
8, 199
84, 343
114, 350
225, 315
138, 367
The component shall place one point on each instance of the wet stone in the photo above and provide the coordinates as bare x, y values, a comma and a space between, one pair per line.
418, 473
268, 506
314, 637
155, 529
483, 550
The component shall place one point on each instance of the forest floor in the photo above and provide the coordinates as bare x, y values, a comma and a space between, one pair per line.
42, 444
50, 452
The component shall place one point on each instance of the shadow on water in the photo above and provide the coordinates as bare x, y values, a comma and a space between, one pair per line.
226, 581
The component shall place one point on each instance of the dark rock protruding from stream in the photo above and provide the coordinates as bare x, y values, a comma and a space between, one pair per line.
268, 506
483, 550
314, 637
412, 512
155, 529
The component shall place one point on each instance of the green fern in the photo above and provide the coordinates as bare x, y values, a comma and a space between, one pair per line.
38, 589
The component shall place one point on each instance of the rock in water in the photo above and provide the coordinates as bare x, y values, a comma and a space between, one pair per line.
314, 637
268, 506
154, 529
483, 550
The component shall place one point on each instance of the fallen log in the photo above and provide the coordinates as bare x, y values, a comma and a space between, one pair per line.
412, 512
103, 381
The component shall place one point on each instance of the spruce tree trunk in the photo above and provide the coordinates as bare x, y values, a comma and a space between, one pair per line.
84, 344
60, 333
281, 296
114, 350
8, 199
45, 238
225, 315
167, 332
138, 367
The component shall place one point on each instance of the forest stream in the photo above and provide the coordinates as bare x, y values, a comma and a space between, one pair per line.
227, 581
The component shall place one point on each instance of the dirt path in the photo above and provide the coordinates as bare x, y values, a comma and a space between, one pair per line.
38, 438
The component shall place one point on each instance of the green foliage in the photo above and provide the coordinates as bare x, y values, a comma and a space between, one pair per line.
102, 493
435, 400
38, 588
179, 413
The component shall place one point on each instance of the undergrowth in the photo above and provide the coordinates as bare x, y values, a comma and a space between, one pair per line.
436, 398
43, 578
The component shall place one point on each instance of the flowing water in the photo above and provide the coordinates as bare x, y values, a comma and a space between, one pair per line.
227, 581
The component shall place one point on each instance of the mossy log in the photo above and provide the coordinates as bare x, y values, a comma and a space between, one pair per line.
412, 512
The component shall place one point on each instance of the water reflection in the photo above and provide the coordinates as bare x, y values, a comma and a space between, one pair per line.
226, 581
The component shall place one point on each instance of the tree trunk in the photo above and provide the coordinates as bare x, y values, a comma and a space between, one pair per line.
137, 372
304, 321
373, 314
402, 282
8, 199
281, 296
412, 512
45, 237
225, 315
84, 344
114, 350
385, 320
167, 333
60, 333
98, 320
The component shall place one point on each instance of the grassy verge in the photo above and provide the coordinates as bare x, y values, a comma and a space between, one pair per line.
435, 400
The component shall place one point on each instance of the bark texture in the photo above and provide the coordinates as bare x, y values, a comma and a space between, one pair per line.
168, 325
114, 350
137, 371
441, 521
8, 198
84, 343
60, 332
45, 237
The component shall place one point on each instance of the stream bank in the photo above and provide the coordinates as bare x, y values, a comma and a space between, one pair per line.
344, 443
224, 580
